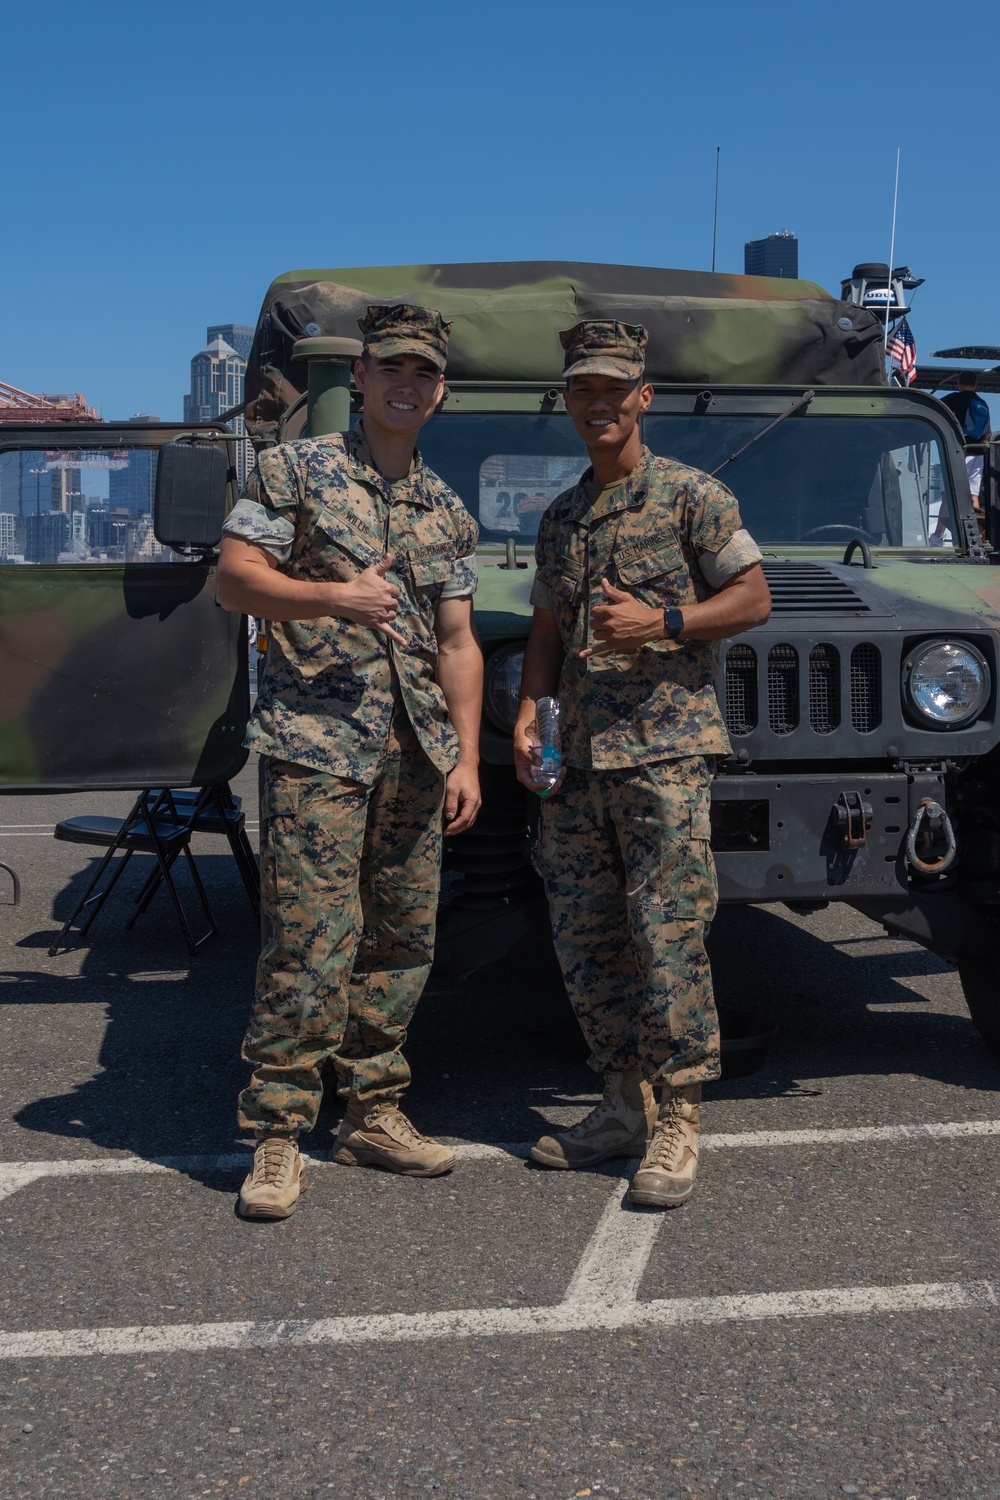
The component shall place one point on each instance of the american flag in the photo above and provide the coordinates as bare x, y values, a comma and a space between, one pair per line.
902, 351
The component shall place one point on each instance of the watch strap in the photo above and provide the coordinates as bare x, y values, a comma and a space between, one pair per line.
673, 623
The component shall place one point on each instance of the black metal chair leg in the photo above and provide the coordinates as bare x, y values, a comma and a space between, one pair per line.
89, 899
14, 877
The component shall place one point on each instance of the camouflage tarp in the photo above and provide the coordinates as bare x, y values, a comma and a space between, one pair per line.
720, 329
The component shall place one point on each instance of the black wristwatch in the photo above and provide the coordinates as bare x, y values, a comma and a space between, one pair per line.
673, 623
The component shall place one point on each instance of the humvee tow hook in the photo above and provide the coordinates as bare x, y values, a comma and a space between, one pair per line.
937, 822
854, 818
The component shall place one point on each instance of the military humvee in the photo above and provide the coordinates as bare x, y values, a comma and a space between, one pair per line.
863, 717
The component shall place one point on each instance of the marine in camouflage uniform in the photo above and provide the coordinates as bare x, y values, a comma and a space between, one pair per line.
357, 740
624, 842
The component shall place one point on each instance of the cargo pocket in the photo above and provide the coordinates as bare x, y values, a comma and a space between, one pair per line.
694, 871
281, 864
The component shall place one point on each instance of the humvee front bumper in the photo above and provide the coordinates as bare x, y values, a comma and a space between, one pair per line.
804, 837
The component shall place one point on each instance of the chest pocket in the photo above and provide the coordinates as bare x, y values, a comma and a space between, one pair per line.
430, 575
656, 577
562, 578
334, 534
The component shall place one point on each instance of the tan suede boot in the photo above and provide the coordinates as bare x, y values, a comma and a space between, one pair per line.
272, 1189
380, 1135
618, 1126
667, 1173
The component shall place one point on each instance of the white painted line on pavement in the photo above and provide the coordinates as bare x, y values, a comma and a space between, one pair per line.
488, 1322
612, 1265
17, 1174
855, 1135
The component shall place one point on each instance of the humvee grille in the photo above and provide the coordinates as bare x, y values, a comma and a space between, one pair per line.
866, 688
806, 588
834, 686
782, 689
824, 688
741, 689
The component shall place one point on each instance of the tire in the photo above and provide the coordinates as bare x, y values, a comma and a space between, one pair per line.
980, 978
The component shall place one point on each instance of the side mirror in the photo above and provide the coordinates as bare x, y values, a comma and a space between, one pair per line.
190, 501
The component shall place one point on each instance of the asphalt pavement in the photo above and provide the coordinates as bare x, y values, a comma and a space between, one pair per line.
822, 1318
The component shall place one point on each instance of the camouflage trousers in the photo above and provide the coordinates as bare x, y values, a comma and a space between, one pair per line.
350, 876
631, 885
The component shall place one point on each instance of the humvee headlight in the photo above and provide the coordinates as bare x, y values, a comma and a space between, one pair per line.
502, 687
947, 683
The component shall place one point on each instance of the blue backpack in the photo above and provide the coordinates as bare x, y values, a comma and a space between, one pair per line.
977, 419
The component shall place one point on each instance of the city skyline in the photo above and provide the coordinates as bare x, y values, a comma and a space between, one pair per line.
163, 263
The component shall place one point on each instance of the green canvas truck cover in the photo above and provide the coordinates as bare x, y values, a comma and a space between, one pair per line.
506, 316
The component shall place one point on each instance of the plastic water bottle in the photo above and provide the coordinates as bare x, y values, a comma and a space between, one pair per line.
549, 747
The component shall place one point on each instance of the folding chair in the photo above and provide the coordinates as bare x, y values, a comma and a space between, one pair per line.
154, 826
213, 809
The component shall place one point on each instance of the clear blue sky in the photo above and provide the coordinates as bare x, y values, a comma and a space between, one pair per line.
162, 164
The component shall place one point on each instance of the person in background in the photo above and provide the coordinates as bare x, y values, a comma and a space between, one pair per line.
974, 419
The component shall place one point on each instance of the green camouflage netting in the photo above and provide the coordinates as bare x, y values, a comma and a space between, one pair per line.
507, 315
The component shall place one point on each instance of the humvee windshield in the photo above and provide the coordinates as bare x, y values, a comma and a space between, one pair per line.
507, 469
822, 480
811, 482
77, 505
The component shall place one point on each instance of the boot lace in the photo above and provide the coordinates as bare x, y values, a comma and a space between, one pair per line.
594, 1118
404, 1125
668, 1139
272, 1156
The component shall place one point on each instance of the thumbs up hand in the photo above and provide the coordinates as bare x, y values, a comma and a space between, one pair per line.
622, 623
373, 601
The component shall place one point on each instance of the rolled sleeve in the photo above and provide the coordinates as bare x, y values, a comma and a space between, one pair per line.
268, 511
254, 522
463, 580
738, 554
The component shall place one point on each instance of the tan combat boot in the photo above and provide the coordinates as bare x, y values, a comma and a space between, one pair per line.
272, 1189
666, 1175
618, 1126
380, 1135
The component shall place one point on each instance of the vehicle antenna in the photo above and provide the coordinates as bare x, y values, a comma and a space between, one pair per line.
892, 251
715, 217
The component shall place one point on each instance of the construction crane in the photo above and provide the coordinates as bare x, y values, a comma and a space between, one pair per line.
20, 406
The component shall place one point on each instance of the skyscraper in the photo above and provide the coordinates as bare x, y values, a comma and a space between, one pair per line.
132, 477
778, 255
237, 335
216, 387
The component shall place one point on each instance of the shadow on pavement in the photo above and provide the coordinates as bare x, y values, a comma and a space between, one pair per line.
492, 1054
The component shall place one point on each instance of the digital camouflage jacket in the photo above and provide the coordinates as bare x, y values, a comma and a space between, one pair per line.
330, 687
669, 535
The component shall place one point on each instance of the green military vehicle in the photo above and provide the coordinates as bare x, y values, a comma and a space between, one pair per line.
863, 717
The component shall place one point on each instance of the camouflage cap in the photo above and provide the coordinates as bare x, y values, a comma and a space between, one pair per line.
604, 348
405, 329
